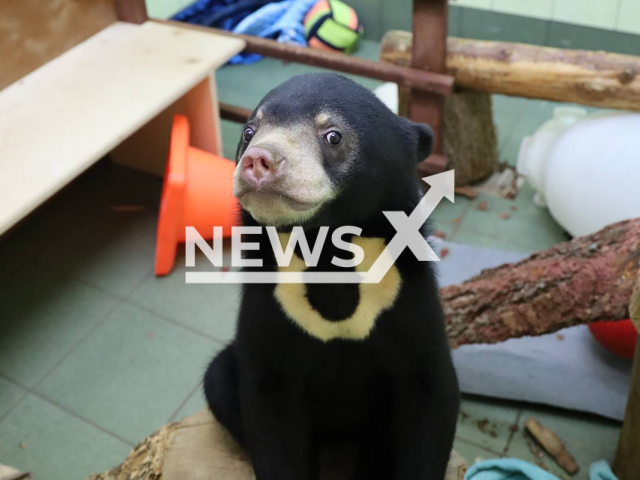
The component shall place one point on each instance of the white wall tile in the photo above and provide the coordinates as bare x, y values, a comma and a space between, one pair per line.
538, 8
481, 4
165, 8
629, 16
591, 13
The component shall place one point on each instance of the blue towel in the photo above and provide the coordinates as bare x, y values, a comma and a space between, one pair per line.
601, 471
507, 469
282, 21
516, 469
224, 14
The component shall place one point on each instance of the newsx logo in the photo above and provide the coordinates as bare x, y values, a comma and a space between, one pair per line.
407, 236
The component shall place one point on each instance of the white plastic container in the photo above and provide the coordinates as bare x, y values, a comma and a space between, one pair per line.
585, 169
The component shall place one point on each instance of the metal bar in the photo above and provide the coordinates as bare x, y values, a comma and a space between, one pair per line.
233, 113
420, 80
429, 53
132, 11
434, 164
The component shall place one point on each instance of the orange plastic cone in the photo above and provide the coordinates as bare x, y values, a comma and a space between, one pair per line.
197, 192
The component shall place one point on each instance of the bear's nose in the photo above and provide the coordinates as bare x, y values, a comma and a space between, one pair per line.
259, 166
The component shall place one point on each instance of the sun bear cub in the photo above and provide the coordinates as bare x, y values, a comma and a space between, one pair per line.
324, 363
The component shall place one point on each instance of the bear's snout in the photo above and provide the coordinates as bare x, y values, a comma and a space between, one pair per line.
259, 167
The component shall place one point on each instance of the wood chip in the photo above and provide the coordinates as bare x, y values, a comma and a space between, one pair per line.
505, 216
483, 425
23, 445
537, 453
456, 220
443, 253
482, 206
440, 234
469, 192
550, 441
559, 337
514, 208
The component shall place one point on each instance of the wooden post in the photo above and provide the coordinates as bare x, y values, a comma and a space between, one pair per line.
132, 11
627, 463
430, 53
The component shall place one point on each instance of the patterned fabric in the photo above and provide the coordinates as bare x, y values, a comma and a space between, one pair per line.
281, 21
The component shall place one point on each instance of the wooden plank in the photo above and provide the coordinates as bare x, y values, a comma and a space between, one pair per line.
63, 117
148, 148
33, 32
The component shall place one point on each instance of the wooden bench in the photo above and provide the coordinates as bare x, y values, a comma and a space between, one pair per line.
114, 92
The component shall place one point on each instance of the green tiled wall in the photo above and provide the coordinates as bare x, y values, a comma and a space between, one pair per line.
542, 22
379, 16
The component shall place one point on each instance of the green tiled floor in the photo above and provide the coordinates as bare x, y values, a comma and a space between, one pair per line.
131, 360
587, 437
54, 444
95, 352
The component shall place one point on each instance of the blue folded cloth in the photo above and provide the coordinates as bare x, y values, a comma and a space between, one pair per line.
516, 469
282, 21
224, 14
601, 471
507, 469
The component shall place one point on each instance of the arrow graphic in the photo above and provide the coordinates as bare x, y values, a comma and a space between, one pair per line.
407, 236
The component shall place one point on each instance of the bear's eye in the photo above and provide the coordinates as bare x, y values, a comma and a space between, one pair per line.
248, 134
333, 137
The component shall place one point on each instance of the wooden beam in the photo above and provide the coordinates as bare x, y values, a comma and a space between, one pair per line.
424, 81
429, 53
233, 113
132, 11
627, 462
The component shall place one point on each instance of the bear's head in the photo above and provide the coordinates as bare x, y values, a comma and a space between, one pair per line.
322, 150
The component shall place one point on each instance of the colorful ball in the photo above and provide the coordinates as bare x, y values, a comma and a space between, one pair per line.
332, 25
617, 337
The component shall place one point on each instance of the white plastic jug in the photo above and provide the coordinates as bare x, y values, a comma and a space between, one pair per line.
585, 169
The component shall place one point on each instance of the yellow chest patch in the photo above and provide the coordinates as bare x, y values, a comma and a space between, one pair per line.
374, 298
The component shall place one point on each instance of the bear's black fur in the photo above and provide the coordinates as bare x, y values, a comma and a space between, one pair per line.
280, 391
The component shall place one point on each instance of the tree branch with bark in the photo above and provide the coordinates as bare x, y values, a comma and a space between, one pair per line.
587, 279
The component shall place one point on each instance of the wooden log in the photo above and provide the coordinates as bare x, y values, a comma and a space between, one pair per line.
468, 136
584, 280
199, 448
595, 78
627, 462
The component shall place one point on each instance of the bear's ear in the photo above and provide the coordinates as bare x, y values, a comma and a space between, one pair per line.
425, 140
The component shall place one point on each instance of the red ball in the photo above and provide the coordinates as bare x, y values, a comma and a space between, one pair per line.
617, 337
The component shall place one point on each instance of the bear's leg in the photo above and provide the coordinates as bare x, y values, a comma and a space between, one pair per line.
423, 424
374, 461
221, 391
